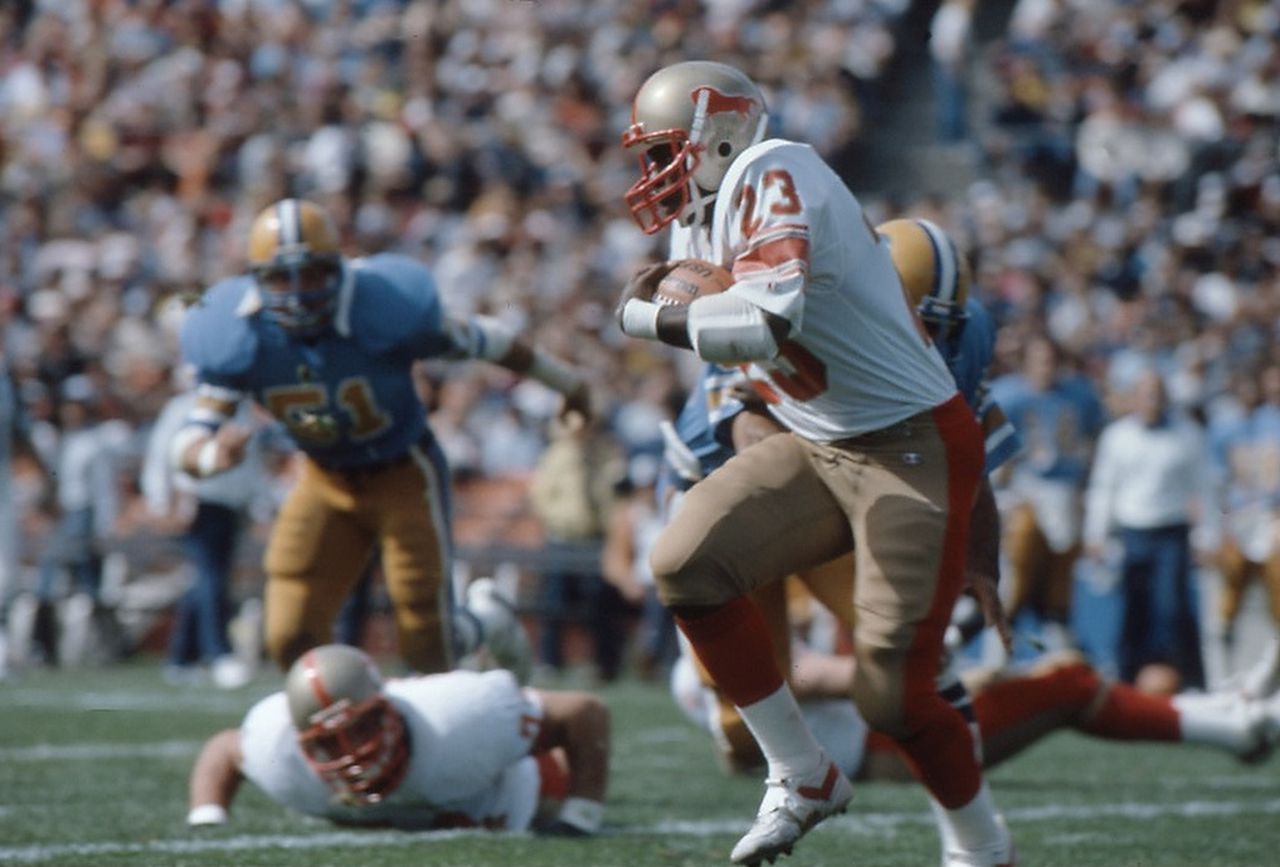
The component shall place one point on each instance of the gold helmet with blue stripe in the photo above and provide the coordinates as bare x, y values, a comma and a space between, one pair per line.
932, 270
295, 257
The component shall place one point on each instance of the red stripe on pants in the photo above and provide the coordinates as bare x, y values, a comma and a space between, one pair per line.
941, 750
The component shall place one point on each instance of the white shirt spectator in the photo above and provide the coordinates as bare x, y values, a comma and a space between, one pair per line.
1146, 477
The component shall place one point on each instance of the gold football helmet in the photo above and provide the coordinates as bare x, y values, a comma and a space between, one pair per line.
294, 255
932, 270
689, 122
348, 731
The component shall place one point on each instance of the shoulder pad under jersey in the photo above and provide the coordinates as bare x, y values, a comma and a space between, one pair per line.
394, 304
217, 337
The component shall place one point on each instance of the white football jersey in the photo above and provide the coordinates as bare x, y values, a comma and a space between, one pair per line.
799, 246
469, 765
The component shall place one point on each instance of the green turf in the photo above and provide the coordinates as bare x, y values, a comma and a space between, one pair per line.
107, 787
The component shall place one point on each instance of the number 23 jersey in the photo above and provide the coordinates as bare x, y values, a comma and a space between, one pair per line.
857, 358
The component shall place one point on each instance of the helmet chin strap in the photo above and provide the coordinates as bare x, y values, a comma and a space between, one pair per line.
701, 203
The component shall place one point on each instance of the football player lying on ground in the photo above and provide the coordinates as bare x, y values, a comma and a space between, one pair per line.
1013, 711
455, 750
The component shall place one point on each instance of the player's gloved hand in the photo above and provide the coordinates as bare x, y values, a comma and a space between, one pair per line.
578, 817
637, 295
207, 816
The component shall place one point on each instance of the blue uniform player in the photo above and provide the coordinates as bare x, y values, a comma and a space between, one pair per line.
326, 345
1059, 415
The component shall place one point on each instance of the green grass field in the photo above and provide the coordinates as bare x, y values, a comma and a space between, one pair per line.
93, 768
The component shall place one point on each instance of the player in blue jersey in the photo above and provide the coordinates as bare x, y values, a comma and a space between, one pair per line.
1059, 415
722, 416
326, 345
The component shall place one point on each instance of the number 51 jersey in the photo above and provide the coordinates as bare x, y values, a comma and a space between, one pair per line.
346, 398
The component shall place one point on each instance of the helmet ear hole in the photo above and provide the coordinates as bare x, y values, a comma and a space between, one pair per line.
724, 148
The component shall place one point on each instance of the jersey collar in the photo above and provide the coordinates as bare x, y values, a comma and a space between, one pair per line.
342, 316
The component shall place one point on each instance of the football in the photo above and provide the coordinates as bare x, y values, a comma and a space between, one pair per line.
690, 279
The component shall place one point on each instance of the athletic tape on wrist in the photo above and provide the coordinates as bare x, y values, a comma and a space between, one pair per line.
207, 814
640, 319
207, 458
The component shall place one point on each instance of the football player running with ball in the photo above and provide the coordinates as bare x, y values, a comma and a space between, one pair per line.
326, 344
881, 447
455, 750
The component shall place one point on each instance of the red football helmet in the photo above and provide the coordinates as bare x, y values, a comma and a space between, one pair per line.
349, 733
689, 122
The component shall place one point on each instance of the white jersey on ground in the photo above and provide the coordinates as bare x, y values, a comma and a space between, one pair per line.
857, 358
470, 735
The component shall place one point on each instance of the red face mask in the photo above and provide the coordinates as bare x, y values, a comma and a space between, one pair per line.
361, 751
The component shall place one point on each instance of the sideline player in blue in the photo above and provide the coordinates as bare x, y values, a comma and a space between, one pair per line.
326, 345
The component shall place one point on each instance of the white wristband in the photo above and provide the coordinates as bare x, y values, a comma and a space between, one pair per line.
640, 319
554, 373
582, 813
207, 458
207, 814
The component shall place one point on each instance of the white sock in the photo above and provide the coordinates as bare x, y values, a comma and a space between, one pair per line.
1222, 721
974, 826
783, 735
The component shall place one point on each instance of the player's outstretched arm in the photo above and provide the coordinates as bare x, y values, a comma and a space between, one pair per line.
579, 724
215, 778
489, 339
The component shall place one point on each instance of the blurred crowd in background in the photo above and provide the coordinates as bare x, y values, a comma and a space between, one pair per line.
1126, 204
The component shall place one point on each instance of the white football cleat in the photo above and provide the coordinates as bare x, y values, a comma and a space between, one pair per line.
1000, 854
789, 809
504, 635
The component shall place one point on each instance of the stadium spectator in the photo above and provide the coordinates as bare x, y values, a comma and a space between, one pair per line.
15, 445
634, 524
68, 592
455, 750
209, 515
951, 48
1150, 483
573, 495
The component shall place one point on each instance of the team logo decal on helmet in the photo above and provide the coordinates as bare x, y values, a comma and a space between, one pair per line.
689, 122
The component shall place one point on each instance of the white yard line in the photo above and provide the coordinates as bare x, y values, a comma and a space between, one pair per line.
866, 824
97, 752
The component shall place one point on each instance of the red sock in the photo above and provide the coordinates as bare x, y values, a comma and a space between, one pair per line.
1129, 715
733, 644
1003, 705
949, 771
